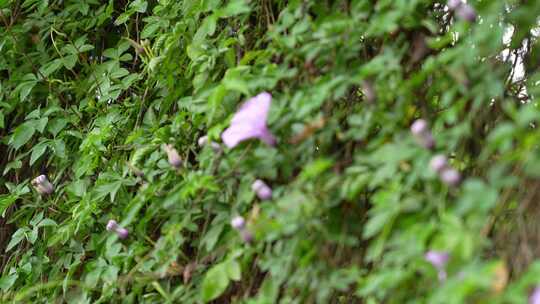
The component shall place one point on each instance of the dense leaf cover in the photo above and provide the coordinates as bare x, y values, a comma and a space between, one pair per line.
119, 185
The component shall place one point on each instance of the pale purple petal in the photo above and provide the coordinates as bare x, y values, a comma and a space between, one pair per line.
250, 122
534, 298
453, 4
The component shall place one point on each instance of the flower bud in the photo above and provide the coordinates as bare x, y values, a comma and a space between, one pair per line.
419, 127
238, 223
438, 163
173, 156
203, 141
42, 185
422, 134
113, 226
122, 232
438, 259
466, 12
246, 235
261, 189
450, 177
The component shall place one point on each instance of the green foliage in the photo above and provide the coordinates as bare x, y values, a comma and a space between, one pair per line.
91, 91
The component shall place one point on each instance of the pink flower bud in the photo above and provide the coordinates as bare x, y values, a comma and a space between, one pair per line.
450, 177
427, 141
173, 156
419, 127
113, 226
262, 190
422, 134
238, 223
438, 163
122, 233
42, 185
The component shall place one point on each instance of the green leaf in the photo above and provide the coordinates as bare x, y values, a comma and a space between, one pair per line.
17, 237
215, 282
16, 164
50, 67
24, 89
21, 136
69, 61
6, 200
7, 281
233, 270
37, 152
46, 223
57, 125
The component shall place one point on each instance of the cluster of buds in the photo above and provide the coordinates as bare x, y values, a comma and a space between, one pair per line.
263, 191
421, 132
438, 259
42, 185
239, 224
203, 141
447, 174
113, 226
462, 10
173, 156
439, 163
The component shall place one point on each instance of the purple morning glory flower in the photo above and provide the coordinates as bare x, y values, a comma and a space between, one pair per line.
42, 185
263, 191
534, 298
438, 259
113, 226
250, 122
